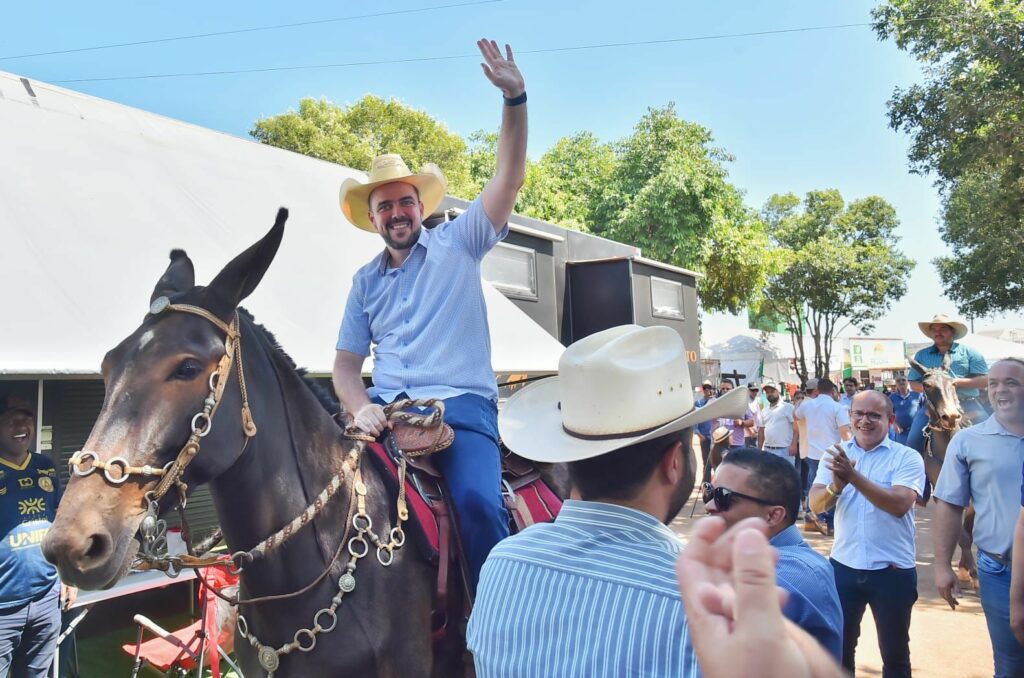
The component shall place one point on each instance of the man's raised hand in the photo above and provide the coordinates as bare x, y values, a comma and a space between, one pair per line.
501, 70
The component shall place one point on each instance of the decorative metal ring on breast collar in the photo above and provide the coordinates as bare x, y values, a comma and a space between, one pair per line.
385, 561
330, 613
304, 633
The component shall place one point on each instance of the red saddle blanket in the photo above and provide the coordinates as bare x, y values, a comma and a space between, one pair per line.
527, 496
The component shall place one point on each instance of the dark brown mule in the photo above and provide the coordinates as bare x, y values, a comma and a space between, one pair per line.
156, 380
945, 419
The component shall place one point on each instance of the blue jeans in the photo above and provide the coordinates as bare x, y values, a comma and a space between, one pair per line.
472, 472
994, 578
891, 593
28, 636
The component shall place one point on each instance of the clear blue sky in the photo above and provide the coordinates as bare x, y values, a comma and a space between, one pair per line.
799, 111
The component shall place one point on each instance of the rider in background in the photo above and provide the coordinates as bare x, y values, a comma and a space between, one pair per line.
420, 304
967, 367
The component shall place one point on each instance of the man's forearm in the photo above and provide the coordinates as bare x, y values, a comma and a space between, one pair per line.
891, 501
347, 379
820, 499
760, 438
980, 381
500, 193
948, 519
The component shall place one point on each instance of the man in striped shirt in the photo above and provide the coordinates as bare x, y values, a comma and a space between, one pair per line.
594, 592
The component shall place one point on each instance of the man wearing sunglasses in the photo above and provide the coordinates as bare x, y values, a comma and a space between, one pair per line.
751, 484
873, 482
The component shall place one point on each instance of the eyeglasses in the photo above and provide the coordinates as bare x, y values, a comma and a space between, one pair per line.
723, 496
870, 416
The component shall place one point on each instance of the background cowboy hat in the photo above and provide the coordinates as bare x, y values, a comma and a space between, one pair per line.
386, 169
615, 388
959, 329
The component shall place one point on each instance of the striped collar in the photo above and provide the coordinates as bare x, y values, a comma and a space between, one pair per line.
603, 517
788, 537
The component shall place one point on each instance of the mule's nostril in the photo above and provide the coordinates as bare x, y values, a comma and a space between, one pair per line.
99, 547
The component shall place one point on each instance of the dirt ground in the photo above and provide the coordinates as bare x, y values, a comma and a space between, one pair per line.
943, 642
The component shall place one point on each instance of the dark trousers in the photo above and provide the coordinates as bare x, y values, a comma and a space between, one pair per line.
28, 636
472, 472
891, 594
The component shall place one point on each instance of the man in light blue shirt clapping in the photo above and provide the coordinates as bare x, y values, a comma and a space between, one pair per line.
873, 483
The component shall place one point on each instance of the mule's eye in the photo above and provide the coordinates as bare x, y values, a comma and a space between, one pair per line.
187, 370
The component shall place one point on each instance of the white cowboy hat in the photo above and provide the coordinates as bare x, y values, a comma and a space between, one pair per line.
959, 329
622, 386
388, 169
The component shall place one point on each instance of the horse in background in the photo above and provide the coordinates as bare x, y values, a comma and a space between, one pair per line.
946, 418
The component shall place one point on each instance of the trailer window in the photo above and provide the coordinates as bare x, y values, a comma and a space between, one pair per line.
513, 270
666, 298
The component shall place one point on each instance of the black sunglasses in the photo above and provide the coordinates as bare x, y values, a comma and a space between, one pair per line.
723, 496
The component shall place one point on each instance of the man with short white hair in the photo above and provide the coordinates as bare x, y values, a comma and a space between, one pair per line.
554, 600
982, 467
776, 433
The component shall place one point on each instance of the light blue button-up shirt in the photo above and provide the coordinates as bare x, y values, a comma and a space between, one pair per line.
981, 465
427, 320
813, 603
964, 362
592, 594
868, 538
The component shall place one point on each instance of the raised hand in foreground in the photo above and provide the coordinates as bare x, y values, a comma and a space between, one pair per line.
734, 609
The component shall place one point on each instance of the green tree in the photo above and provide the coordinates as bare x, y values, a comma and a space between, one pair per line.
985, 275
966, 128
837, 266
669, 195
354, 135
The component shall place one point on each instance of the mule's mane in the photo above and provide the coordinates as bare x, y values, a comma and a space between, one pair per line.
324, 396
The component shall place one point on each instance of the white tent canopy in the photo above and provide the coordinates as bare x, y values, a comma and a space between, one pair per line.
771, 357
94, 195
993, 350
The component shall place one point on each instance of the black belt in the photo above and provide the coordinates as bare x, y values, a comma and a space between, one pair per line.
1003, 560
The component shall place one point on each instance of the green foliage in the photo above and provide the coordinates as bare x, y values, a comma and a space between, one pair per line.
986, 274
837, 266
966, 127
355, 134
668, 193
664, 188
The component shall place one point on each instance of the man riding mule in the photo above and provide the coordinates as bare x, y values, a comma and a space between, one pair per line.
964, 364
420, 305
316, 532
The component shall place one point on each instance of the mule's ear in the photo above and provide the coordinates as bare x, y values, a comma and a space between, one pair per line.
241, 276
179, 276
947, 360
918, 366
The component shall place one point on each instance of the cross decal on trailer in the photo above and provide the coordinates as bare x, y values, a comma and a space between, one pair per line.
734, 377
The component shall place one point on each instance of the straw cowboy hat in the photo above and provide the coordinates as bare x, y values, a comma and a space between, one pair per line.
959, 329
387, 169
720, 434
622, 386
